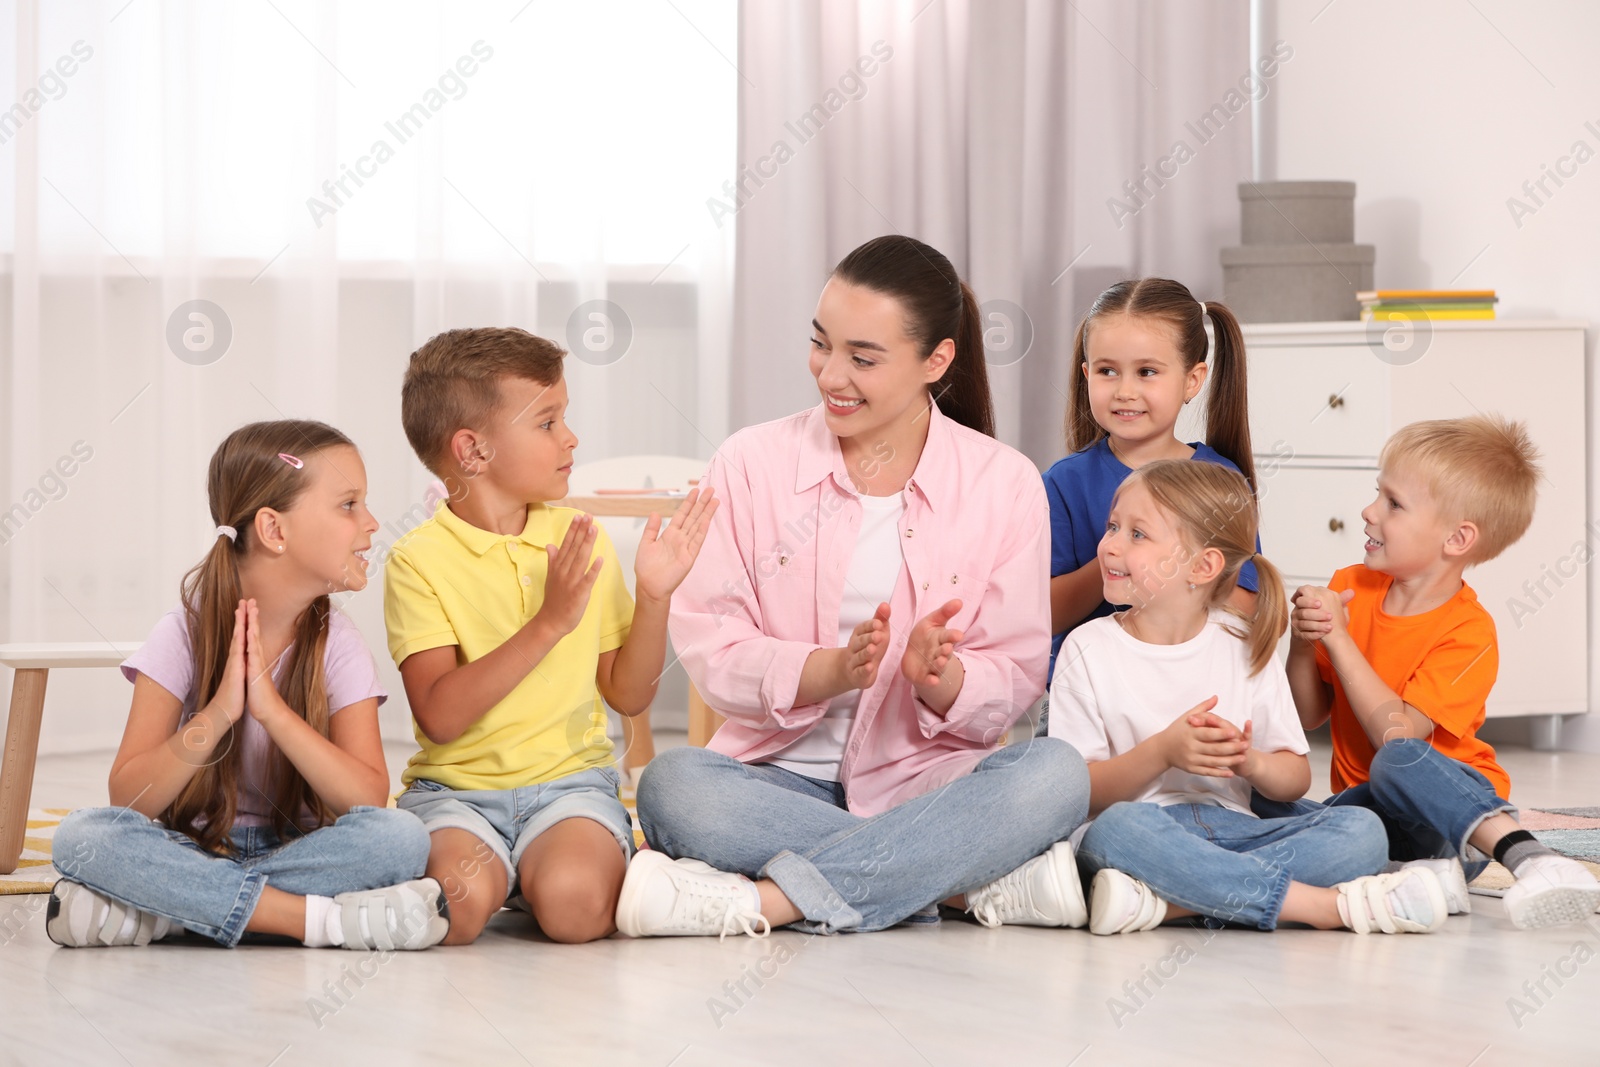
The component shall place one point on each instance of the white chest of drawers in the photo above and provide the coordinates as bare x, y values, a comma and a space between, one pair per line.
1323, 399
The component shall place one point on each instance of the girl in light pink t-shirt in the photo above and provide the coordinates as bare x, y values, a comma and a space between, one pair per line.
250, 788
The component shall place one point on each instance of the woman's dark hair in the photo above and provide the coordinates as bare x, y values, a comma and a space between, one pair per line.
938, 305
1172, 304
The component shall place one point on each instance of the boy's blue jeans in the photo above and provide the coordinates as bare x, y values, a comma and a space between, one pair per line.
135, 860
1429, 803
845, 872
1227, 865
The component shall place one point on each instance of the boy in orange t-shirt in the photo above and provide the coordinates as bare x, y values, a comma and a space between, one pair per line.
1400, 655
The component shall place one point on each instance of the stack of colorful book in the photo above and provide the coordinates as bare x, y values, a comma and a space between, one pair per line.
1411, 304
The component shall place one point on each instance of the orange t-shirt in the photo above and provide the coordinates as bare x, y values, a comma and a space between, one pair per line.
1442, 662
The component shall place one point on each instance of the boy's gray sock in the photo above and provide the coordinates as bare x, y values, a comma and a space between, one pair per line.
1517, 848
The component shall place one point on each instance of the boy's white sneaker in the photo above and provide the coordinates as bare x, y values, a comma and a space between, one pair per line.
663, 897
1045, 891
79, 917
1452, 879
1551, 891
1121, 904
1408, 901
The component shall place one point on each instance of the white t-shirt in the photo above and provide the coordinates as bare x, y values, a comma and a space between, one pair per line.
875, 569
1111, 691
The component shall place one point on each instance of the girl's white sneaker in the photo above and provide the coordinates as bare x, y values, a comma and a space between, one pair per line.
79, 917
1121, 904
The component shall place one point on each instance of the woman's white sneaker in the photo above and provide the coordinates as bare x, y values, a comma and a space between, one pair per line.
664, 897
79, 917
1408, 901
1121, 904
1045, 891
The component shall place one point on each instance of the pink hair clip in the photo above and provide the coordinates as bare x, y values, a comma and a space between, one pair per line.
291, 461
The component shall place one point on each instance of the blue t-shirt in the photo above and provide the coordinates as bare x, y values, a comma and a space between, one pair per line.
1080, 488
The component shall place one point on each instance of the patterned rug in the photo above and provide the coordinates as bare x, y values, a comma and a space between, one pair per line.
1572, 832
34, 874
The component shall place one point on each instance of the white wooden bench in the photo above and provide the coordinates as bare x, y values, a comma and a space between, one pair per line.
33, 664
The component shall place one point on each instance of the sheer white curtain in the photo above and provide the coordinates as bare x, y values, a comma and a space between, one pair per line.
339, 181
1000, 133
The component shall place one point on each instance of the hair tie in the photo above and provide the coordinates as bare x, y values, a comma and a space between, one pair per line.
227, 531
291, 461
1202, 309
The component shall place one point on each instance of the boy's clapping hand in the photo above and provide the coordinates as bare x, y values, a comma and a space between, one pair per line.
571, 577
664, 558
1318, 611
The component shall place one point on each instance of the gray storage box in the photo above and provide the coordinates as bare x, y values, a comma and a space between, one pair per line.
1296, 283
1297, 213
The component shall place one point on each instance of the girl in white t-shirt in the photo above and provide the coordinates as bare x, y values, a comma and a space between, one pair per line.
1172, 834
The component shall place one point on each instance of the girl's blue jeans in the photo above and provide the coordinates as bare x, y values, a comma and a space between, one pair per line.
137, 861
1227, 865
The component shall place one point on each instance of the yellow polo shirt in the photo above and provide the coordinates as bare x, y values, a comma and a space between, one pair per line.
448, 582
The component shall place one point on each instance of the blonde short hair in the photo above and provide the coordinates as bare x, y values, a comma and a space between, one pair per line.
453, 383
1483, 469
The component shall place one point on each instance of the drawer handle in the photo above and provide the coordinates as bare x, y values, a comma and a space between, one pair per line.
1335, 400
1335, 525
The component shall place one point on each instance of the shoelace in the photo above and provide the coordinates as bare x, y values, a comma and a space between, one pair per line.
994, 899
723, 909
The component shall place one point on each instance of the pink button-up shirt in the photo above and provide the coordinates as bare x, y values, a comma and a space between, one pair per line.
766, 590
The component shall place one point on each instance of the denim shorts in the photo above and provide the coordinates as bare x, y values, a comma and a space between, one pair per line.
507, 820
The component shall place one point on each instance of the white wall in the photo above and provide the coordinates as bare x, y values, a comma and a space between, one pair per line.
1440, 111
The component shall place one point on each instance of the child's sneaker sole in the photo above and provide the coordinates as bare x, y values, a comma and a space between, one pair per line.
1554, 907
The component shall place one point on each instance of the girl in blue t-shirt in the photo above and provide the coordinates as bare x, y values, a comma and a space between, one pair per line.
1138, 358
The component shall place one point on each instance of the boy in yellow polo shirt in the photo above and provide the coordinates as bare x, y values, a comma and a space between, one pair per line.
506, 643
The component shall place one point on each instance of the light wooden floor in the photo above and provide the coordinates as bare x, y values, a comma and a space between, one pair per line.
952, 994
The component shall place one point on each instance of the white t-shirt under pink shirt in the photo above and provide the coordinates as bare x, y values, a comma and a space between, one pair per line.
875, 568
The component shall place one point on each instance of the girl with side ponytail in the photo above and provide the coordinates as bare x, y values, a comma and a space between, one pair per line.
250, 785
1138, 358
1182, 711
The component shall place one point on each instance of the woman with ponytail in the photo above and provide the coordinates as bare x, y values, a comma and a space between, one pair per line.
869, 614
1172, 834
1139, 357
250, 789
